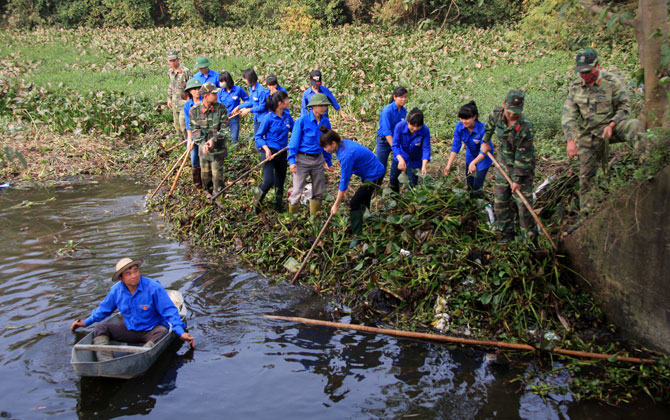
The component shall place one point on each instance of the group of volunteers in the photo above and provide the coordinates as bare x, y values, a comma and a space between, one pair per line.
207, 107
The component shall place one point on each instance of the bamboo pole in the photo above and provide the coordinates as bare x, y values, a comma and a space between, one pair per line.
246, 173
523, 199
449, 339
108, 347
309, 253
175, 146
176, 178
168, 174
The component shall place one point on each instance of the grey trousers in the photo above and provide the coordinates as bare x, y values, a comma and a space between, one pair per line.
117, 331
312, 166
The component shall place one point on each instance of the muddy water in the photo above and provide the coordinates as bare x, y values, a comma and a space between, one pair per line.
58, 249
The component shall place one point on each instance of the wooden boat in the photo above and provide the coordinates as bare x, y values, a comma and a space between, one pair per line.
129, 361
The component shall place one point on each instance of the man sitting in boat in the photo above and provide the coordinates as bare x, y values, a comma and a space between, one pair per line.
146, 308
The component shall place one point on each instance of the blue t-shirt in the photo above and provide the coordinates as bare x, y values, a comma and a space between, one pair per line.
233, 98
274, 129
414, 148
187, 108
212, 76
305, 138
473, 143
358, 160
149, 306
307, 95
257, 101
389, 118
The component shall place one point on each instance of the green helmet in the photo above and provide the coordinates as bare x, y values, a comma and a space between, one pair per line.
192, 84
201, 62
319, 99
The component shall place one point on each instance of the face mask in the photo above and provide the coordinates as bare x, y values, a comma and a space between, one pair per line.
223, 85
590, 77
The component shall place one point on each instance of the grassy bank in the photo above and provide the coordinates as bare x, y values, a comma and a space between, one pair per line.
427, 259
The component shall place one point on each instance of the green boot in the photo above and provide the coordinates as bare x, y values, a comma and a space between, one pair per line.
260, 195
103, 356
356, 217
314, 207
293, 208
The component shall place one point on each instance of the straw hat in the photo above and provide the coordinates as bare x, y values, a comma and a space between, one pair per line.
124, 264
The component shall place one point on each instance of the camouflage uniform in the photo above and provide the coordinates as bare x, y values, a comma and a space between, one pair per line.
211, 123
175, 89
586, 113
516, 154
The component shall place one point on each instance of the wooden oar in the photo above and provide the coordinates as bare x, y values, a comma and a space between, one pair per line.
176, 178
309, 253
246, 173
107, 347
523, 199
168, 174
469, 341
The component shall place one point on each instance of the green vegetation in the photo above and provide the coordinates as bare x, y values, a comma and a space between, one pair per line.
97, 105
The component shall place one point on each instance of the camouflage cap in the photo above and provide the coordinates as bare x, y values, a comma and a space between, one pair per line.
318, 99
192, 84
209, 88
172, 55
514, 101
201, 62
586, 60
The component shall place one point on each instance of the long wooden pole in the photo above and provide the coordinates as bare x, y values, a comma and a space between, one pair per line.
175, 146
247, 173
169, 172
309, 253
176, 178
523, 199
448, 339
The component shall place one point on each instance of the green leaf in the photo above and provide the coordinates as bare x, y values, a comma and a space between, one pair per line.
486, 298
10, 153
359, 266
22, 160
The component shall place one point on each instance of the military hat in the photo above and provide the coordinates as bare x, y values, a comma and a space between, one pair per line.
514, 101
315, 77
209, 88
319, 99
201, 62
586, 60
192, 84
172, 55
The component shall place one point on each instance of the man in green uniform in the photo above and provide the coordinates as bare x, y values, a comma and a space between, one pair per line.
178, 76
596, 113
209, 128
516, 154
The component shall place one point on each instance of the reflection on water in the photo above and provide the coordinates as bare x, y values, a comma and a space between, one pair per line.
57, 260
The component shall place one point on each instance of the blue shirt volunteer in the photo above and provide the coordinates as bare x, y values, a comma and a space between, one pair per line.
149, 306
414, 148
358, 160
473, 143
389, 118
233, 98
257, 101
212, 76
307, 95
305, 138
273, 130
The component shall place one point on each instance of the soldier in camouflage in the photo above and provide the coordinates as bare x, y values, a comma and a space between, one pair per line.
596, 113
178, 76
209, 128
516, 154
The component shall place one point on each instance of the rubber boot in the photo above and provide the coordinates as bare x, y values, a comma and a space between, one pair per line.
356, 217
314, 207
279, 205
197, 180
260, 195
293, 208
103, 356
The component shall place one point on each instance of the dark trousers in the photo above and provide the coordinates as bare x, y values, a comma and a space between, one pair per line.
363, 195
274, 172
475, 181
395, 173
117, 331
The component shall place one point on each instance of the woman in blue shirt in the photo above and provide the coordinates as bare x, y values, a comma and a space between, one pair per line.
391, 115
257, 99
411, 148
193, 90
355, 159
470, 132
271, 137
230, 95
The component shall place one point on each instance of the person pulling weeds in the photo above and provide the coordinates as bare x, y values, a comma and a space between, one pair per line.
307, 157
257, 103
355, 159
390, 116
411, 149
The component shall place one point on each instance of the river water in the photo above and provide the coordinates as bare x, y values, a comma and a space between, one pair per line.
59, 247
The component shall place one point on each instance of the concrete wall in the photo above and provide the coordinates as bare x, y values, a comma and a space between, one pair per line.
624, 252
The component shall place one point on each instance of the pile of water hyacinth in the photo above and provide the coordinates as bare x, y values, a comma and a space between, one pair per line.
428, 259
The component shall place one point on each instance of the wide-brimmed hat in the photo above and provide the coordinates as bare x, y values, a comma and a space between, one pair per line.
586, 60
192, 84
514, 101
123, 265
172, 55
318, 99
201, 62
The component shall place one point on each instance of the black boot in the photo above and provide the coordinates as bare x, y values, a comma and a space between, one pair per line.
197, 180
260, 195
